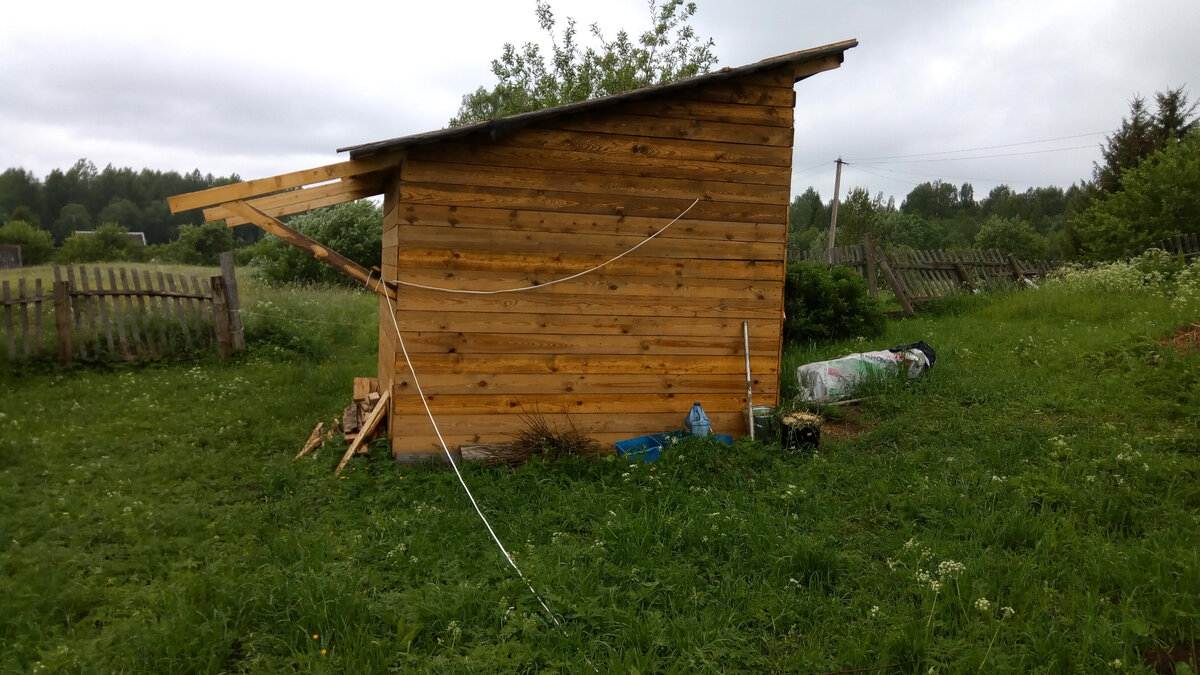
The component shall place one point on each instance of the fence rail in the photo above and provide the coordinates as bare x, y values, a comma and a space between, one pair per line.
923, 276
116, 312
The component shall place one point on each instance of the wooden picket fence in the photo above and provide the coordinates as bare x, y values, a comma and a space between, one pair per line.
916, 277
114, 312
10, 257
1185, 245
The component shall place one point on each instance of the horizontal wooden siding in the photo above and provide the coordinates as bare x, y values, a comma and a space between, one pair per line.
620, 352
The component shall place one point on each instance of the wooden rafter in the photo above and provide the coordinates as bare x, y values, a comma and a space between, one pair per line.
369, 279
297, 201
287, 181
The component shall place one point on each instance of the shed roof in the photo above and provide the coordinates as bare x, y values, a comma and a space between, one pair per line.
504, 125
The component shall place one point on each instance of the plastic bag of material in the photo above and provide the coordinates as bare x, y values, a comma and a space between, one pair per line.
834, 380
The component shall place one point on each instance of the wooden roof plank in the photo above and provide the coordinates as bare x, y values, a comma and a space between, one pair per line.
286, 181
296, 201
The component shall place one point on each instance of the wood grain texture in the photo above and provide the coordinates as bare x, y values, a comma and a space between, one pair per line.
590, 203
604, 427
579, 179
298, 201
286, 181
626, 146
667, 127
578, 383
642, 164
518, 220
587, 364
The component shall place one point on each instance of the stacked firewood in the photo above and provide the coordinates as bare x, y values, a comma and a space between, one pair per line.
364, 420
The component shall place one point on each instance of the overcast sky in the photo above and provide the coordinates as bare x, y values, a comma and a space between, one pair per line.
259, 88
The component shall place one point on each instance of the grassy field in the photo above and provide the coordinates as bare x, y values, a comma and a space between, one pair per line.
1030, 505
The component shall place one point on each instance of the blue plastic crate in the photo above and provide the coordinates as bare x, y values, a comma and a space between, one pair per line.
649, 448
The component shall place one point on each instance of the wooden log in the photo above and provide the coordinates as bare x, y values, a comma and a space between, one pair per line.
220, 313
351, 421
362, 389
315, 440
378, 414
236, 330
62, 320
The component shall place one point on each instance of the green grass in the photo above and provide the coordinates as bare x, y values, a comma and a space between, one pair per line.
152, 519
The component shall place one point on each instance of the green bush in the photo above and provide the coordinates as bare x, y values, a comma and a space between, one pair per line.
37, 245
828, 304
109, 243
354, 230
198, 245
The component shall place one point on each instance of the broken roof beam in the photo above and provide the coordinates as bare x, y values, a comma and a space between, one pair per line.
286, 181
371, 280
296, 201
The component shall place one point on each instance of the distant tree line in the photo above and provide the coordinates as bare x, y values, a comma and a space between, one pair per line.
83, 198
1146, 188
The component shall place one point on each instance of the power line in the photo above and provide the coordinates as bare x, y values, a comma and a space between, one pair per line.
1003, 154
984, 147
923, 174
865, 170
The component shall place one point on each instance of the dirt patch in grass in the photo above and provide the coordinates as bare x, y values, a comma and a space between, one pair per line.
848, 424
1184, 339
1163, 659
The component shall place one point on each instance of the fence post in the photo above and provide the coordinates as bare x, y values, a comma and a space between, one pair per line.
869, 254
235, 304
221, 317
1015, 267
62, 320
963, 277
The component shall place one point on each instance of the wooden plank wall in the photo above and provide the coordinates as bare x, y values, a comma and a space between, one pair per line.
623, 351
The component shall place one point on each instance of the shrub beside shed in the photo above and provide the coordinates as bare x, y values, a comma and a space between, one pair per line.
522, 201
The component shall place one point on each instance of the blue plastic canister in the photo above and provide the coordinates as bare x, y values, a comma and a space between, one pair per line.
697, 422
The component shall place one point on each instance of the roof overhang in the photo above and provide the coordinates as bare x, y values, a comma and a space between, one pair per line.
806, 63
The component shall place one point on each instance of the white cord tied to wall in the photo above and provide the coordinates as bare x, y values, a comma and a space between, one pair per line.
442, 441
556, 281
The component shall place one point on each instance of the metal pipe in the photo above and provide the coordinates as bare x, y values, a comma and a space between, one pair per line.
749, 382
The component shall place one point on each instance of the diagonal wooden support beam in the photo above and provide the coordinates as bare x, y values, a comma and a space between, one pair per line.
328, 256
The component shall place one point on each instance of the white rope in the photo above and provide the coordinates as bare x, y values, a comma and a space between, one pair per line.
429, 413
556, 281
454, 465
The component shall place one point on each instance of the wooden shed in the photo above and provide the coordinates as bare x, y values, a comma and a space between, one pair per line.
522, 201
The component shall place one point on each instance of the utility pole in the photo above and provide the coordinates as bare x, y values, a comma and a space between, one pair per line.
837, 186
